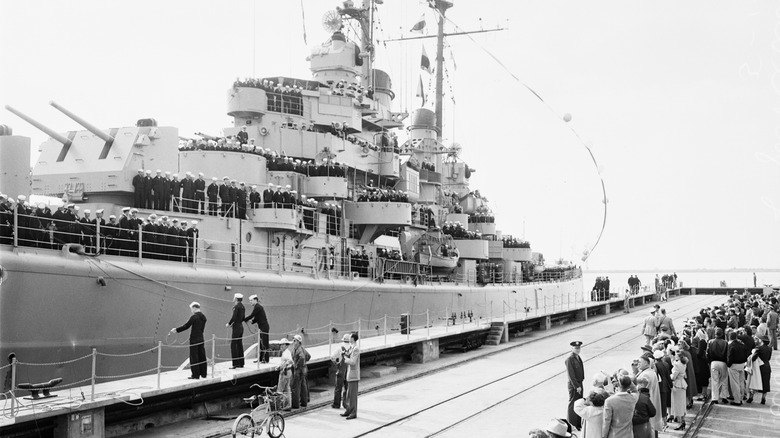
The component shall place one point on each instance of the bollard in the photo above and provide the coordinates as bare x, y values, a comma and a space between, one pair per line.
213, 353
94, 365
159, 362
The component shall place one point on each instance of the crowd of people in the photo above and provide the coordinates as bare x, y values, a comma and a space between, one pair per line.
601, 288
373, 194
513, 242
722, 354
458, 231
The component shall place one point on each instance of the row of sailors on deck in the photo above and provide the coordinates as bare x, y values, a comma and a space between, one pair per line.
382, 195
271, 86
514, 242
458, 231
482, 218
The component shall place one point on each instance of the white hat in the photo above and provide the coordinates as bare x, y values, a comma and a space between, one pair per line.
175, 175
21, 197
194, 222
285, 341
558, 427
87, 211
200, 173
254, 187
188, 173
148, 172
345, 338
237, 295
253, 297
99, 210
158, 171
141, 170
113, 216
298, 338
77, 208
214, 178
658, 354
195, 304
133, 210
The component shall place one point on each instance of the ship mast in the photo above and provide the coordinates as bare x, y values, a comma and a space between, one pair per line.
441, 6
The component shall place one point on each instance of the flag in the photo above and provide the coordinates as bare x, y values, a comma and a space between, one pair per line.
421, 91
425, 62
419, 26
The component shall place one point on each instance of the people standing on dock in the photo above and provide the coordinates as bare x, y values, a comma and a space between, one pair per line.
764, 353
258, 317
236, 324
300, 387
736, 357
196, 324
285, 373
352, 358
576, 373
619, 411
771, 324
340, 392
679, 390
648, 374
649, 327
644, 410
716, 355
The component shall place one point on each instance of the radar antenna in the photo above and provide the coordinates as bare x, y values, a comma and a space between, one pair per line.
331, 21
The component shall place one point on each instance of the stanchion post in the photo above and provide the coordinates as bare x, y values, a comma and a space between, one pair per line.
503, 310
408, 326
385, 328
259, 346
428, 322
13, 377
159, 362
94, 366
330, 338
213, 353
446, 320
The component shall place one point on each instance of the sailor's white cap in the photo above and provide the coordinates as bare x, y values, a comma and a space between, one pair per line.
288, 187
133, 210
200, 173
345, 338
254, 187
165, 218
152, 216
214, 178
293, 191
99, 210
140, 170
168, 173
87, 211
41, 205
194, 222
241, 183
224, 178
238, 295
148, 172
298, 338
195, 304
71, 205
184, 222
113, 216
188, 173
123, 208
21, 197
158, 171
77, 208
270, 184
253, 297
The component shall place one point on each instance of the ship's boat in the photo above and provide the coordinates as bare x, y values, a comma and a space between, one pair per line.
310, 200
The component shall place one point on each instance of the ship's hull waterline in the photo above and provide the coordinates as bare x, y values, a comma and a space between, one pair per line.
53, 308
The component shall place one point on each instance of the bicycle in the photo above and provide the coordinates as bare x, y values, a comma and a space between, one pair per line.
264, 417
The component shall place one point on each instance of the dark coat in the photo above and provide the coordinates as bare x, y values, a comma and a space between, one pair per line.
198, 323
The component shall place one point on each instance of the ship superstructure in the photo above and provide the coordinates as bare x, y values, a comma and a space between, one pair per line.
342, 222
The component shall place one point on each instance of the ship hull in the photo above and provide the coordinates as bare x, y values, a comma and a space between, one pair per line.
53, 309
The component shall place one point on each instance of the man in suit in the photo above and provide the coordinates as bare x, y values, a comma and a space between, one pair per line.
654, 389
576, 373
258, 317
197, 323
237, 325
352, 358
649, 328
619, 412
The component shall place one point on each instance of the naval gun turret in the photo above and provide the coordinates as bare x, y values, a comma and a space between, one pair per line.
90, 127
45, 129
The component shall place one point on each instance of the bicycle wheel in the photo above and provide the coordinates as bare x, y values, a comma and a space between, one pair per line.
244, 426
275, 425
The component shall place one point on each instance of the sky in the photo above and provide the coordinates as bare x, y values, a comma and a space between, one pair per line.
679, 102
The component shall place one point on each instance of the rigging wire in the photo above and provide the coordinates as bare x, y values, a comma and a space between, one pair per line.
587, 252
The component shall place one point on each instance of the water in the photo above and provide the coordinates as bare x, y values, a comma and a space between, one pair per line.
734, 279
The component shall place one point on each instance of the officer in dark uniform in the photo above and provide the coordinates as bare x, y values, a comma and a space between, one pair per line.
148, 199
167, 191
243, 136
237, 332
197, 322
576, 374
268, 195
172, 240
175, 200
224, 196
112, 236
188, 193
213, 194
134, 222
241, 201
254, 198
138, 190
192, 241
200, 194
158, 185
278, 197
149, 237
258, 317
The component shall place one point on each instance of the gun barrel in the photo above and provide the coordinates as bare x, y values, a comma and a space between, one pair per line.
90, 127
50, 132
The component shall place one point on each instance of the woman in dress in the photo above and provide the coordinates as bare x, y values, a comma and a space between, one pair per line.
679, 388
763, 352
690, 373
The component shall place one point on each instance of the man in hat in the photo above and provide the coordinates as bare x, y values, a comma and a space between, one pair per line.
158, 186
285, 372
200, 194
650, 375
341, 371
237, 325
300, 387
258, 317
112, 236
352, 357
213, 194
192, 241
576, 374
268, 195
197, 323
771, 324
649, 327
188, 193
243, 136
148, 199
225, 196
241, 195
138, 190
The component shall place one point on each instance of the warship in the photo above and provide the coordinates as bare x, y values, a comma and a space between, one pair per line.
338, 212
